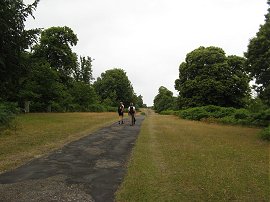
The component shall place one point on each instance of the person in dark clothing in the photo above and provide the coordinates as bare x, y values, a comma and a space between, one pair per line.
132, 112
121, 112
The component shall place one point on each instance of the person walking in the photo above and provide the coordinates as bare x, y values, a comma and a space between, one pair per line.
121, 108
132, 112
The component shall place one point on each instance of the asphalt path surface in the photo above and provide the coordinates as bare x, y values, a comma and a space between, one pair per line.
89, 169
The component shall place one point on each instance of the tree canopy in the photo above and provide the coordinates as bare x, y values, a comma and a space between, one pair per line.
114, 86
208, 77
55, 47
258, 59
164, 100
14, 39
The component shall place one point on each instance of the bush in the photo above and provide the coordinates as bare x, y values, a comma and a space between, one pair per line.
8, 112
261, 119
241, 114
56, 107
196, 113
38, 107
265, 134
219, 112
205, 112
226, 115
97, 108
111, 109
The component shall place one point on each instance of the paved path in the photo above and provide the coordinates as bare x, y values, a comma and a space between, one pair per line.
90, 169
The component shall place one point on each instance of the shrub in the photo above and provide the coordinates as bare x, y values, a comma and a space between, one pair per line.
196, 113
219, 112
265, 134
225, 115
56, 107
8, 112
206, 112
96, 108
111, 109
241, 114
256, 105
261, 119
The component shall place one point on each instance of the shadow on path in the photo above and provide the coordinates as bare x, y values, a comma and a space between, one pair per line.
89, 169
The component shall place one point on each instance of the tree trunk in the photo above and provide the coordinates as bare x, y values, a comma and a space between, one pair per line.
27, 106
49, 108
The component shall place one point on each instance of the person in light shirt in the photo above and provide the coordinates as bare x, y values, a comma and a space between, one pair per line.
121, 112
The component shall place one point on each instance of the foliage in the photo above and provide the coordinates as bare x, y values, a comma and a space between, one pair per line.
113, 87
164, 100
258, 58
208, 77
83, 71
227, 115
83, 94
14, 39
49, 74
265, 134
55, 47
139, 101
7, 114
43, 87
49, 84
256, 105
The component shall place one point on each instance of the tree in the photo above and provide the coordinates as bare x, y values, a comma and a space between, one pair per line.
43, 87
14, 39
258, 59
55, 47
83, 71
208, 77
83, 95
139, 101
164, 100
114, 86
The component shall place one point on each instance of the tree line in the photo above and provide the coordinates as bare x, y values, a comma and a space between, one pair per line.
40, 72
208, 77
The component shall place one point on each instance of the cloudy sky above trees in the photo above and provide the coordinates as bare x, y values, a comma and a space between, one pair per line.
150, 38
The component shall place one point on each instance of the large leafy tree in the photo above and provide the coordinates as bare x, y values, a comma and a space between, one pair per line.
14, 39
208, 77
55, 47
42, 87
114, 86
258, 59
66, 83
164, 100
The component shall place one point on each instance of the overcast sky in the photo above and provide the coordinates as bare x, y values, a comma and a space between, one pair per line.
150, 38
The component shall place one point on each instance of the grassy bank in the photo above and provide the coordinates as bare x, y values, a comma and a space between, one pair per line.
36, 134
181, 160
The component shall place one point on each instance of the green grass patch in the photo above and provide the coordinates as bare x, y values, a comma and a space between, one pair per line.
36, 134
181, 160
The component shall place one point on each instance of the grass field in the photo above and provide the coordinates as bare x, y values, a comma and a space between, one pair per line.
39, 133
180, 160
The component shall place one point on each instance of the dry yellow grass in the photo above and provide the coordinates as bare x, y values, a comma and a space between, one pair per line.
180, 160
39, 133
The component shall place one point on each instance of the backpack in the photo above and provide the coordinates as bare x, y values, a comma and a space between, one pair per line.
120, 109
131, 110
